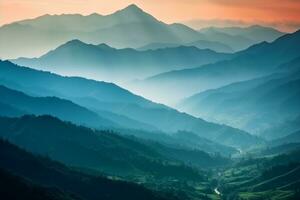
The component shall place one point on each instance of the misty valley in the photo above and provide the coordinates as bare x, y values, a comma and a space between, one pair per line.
125, 106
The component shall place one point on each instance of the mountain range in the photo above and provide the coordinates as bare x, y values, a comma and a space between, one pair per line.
273, 100
240, 38
98, 96
129, 27
124, 28
103, 62
200, 44
228, 39
258, 60
16, 104
124, 106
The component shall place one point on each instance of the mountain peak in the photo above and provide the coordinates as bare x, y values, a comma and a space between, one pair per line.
104, 46
74, 42
256, 26
133, 7
94, 15
133, 13
260, 27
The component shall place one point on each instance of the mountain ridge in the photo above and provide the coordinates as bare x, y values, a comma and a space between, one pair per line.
97, 95
256, 61
102, 61
272, 100
128, 27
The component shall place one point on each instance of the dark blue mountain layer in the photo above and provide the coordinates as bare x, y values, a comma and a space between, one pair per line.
259, 60
97, 95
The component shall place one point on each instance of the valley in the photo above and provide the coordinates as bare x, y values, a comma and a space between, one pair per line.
124, 105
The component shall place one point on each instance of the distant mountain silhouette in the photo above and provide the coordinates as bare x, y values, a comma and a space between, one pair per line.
242, 37
255, 105
258, 60
129, 27
256, 33
103, 62
97, 96
237, 43
201, 44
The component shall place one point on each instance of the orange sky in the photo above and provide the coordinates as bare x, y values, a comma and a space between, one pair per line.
283, 14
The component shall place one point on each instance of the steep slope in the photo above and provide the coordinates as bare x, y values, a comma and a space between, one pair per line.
63, 109
77, 22
47, 173
255, 105
258, 60
129, 27
124, 121
97, 96
15, 103
118, 65
170, 120
96, 150
39, 83
181, 140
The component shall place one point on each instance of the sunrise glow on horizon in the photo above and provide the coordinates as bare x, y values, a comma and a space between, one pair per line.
284, 15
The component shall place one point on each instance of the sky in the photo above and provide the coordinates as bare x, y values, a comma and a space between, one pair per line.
281, 14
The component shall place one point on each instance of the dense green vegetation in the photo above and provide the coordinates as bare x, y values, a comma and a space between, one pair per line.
261, 178
97, 150
159, 167
47, 173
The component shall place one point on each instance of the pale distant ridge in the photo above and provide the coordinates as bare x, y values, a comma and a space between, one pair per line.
129, 27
